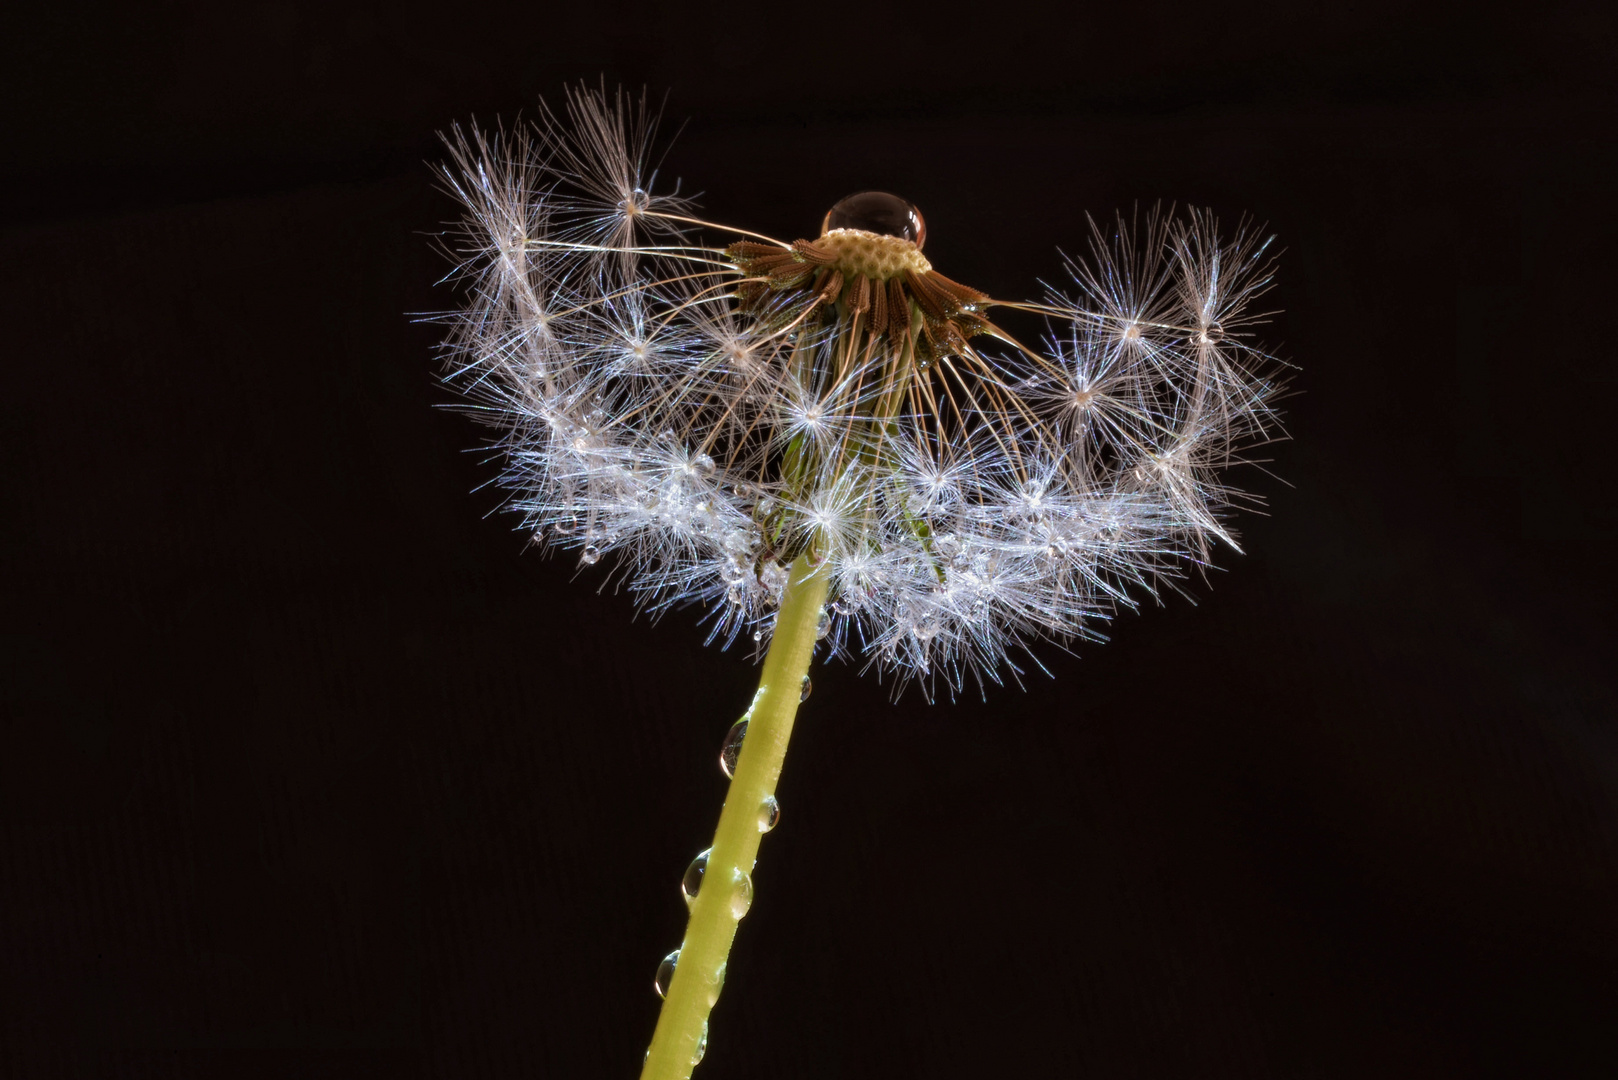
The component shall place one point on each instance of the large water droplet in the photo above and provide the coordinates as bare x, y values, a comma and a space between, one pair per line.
590, 555
741, 894
692, 882
703, 464
822, 624
769, 812
804, 689
878, 212
1215, 333
665, 973
702, 1045
732, 749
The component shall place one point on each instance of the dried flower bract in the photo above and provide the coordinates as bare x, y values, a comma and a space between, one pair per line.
709, 404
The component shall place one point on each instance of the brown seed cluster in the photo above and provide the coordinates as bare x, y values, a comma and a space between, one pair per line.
883, 280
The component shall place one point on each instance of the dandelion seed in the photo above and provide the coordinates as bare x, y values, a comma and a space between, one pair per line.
709, 405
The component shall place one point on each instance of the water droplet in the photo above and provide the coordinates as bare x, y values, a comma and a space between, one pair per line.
773, 576
590, 555
565, 526
804, 689
716, 986
769, 812
878, 212
703, 464
665, 973
741, 894
731, 750
758, 635
702, 1045
923, 363
1216, 333
823, 625
692, 882
740, 543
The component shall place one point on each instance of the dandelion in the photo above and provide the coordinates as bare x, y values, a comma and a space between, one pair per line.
825, 443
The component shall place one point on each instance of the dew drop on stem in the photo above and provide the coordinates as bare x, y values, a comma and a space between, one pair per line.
691, 883
741, 894
665, 973
769, 812
732, 748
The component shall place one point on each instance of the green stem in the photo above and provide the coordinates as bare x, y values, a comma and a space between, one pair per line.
727, 883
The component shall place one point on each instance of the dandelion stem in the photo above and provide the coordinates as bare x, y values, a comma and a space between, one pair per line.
727, 887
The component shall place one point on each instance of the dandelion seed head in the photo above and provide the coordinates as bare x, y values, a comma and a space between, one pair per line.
697, 406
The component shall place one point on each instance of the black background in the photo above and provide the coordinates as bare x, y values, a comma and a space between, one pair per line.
313, 769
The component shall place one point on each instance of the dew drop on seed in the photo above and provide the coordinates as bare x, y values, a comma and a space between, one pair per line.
665, 973
1214, 334
758, 635
822, 625
702, 1045
878, 212
741, 894
804, 689
773, 576
769, 812
590, 555
703, 464
692, 882
732, 748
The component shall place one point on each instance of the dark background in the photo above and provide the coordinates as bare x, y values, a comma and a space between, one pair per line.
312, 768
